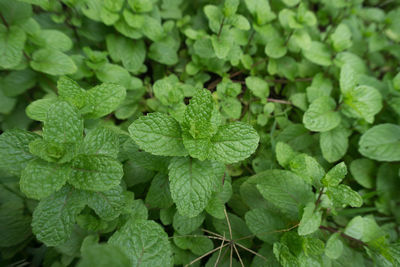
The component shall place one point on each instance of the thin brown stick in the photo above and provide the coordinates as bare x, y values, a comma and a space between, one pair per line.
252, 251
205, 236
228, 222
212, 233
321, 192
230, 258
237, 253
219, 253
4, 21
205, 255
220, 27
280, 101
268, 232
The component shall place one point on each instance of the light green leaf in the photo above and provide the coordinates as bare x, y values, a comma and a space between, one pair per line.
95, 172
343, 195
14, 150
52, 62
37, 110
144, 242
308, 168
184, 225
258, 86
290, 3
348, 78
341, 38
192, 183
284, 189
261, 10
284, 154
70, 91
321, 115
276, 48
53, 39
12, 42
381, 142
105, 99
362, 102
17, 82
54, 217
158, 134
113, 73
334, 143
334, 247
364, 172
101, 141
40, 179
318, 53
310, 221
63, 124
335, 175
198, 115
234, 142
198, 244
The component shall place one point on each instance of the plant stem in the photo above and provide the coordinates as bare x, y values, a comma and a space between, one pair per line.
280, 101
334, 230
220, 27
4, 21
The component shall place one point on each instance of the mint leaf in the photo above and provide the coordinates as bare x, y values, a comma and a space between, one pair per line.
105, 98
310, 221
37, 110
108, 255
158, 134
334, 143
144, 242
14, 150
52, 62
343, 195
95, 172
284, 189
184, 225
321, 115
101, 141
63, 124
107, 204
197, 119
335, 175
40, 179
381, 142
70, 91
334, 247
258, 87
12, 42
233, 142
318, 53
192, 183
159, 194
14, 224
54, 217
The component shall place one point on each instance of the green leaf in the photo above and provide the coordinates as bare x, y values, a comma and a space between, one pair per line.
321, 115
318, 53
53, 39
234, 142
107, 204
261, 10
290, 3
265, 224
54, 217
12, 42
105, 98
70, 91
276, 48
334, 247
52, 62
258, 87
159, 195
14, 150
104, 255
192, 183
238, 227
334, 143
362, 102
335, 175
184, 225
197, 119
95, 172
341, 38
198, 244
144, 242
308, 168
343, 195
17, 82
37, 110
40, 179
101, 141
364, 228
14, 224
364, 172
63, 124
284, 154
284, 189
310, 221
381, 142
158, 134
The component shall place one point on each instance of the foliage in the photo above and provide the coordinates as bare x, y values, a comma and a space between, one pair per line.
205, 133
